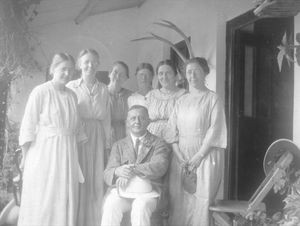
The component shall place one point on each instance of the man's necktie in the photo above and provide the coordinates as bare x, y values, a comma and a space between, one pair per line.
137, 145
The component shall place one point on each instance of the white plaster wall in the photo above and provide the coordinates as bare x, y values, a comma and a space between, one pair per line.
205, 21
110, 35
19, 92
195, 17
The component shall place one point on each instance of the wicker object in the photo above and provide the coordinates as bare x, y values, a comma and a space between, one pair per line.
277, 8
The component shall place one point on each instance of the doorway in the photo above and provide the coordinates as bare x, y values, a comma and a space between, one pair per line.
178, 62
259, 99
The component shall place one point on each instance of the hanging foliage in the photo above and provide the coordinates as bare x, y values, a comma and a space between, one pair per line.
16, 60
16, 43
286, 50
172, 26
27, 9
182, 58
276, 8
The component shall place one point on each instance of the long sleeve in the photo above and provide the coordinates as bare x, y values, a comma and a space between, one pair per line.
81, 136
31, 117
171, 131
216, 135
113, 162
107, 124
147, 102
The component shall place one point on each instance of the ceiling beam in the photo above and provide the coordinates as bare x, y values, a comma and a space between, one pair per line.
94, 7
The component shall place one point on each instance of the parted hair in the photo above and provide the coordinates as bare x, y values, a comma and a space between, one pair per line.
123, 64
139, 107
85, 52
58, 59
169, 63
202, 62
145, 66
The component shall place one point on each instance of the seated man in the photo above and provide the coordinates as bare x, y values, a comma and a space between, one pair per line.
139, 154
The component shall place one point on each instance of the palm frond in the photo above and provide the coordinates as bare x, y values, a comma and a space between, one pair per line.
169, 24
183, 58
143, 38
159, 38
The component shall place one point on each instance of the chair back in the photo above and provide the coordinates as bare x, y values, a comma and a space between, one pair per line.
271, 178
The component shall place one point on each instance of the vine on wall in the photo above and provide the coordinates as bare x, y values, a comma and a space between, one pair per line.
16, 60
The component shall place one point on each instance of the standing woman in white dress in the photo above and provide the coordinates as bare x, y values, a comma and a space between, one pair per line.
144, 76
49, 133
94, 110
161, 102
197, 131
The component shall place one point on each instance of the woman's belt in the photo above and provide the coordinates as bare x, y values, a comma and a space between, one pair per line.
195, 134
56, 131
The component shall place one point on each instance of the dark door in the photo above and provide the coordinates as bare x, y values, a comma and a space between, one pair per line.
262, 102
174, 57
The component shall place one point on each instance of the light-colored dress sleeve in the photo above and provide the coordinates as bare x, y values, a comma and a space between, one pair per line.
114, 161
171, 131
107, 124
216, 135
147, 101
31, 117
80, 134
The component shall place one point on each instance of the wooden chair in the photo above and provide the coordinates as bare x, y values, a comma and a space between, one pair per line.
161, 215
278, 158
157, 219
